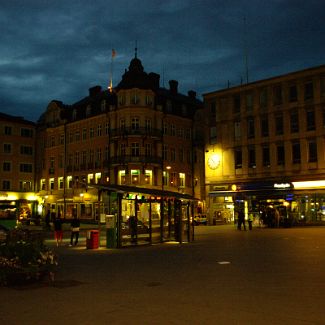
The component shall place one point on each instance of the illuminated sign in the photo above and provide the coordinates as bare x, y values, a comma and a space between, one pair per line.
282, 185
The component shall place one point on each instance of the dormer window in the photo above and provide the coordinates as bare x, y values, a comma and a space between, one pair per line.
88, 110
135, 98
74, 115
148, 100
103, 106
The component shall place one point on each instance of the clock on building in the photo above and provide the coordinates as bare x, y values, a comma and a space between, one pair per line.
213, 162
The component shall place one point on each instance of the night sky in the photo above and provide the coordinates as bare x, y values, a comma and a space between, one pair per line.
53, 49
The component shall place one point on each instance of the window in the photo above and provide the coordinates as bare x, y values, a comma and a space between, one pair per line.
6, 166
135, 123
6, 185
280, 155
122, 124
264, 126
8, 130
293, 94
296, 158
51, 184
61, 139
122, 149
91, 133
213, 135
236, 103
106, 153
165, 152
88, 110
43, 184
148, 149
277, 95
84, 134
173, 129
266, 156
77, 136
279, 124
135, 98
173, 179
99, 130
27, 133
25, 186
312, 151
148, 176
238, 158
172, 154
135, 149
26, 150
148, 125
107, 128
310, 118
7, 148
250, 128
103, 106
249, 102
294, 122
60, 161
76, 159
60, 183
165, 128
213, 111
181, 155
135, 176
181, 179
251, 157
52, 141
148, 100
70, 137
309, 91
237, 130
263, 97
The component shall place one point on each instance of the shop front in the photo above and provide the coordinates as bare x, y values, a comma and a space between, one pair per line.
270, 203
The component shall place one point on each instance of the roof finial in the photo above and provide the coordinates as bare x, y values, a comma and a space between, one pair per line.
136, 49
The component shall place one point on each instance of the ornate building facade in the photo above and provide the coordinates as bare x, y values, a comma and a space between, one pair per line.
138, 138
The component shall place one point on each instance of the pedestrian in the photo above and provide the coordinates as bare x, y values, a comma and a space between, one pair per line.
250, 220
277, 217
75, 228
133, 224
48, 220
241, 219
58, 233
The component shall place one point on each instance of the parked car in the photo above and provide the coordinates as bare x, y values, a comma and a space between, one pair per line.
200, 220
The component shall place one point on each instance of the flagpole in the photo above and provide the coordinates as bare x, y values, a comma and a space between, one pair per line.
111, 71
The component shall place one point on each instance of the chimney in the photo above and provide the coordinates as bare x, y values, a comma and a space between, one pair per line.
94, 91
173, 84
191, 94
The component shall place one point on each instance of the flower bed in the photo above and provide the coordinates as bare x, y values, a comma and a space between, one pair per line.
24, 258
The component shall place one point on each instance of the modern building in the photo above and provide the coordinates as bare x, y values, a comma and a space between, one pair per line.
138, 139
17, 157
265, 148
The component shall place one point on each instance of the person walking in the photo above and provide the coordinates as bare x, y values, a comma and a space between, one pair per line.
75, 228
58, 233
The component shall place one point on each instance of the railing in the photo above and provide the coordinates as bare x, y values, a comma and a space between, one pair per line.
142, 131
138, 159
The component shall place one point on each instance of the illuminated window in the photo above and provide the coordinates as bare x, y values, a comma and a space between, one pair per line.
165, 178
121, 177
69, 182
51, 182
90, 178
148, 176
98, 177
135, 175
60, 183
43, 184
181, 179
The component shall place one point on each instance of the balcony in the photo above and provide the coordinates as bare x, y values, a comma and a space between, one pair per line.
125, 132
117, 160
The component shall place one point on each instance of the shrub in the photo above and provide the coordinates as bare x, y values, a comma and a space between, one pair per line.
24, 258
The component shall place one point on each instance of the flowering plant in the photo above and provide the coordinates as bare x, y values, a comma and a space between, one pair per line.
25, 258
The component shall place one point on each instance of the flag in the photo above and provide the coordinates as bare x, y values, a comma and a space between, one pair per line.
113, 53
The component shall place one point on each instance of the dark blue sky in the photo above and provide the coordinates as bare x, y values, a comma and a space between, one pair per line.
53, 49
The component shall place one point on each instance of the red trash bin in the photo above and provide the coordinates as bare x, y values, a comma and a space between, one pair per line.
92, 240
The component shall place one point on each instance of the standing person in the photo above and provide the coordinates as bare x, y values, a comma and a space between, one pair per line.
133, 224
250, 220
277, 217
75, 228
58, 233
241, 219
